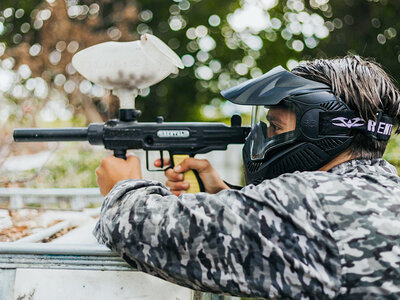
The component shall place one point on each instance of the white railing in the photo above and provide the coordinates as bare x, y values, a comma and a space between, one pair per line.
74, 199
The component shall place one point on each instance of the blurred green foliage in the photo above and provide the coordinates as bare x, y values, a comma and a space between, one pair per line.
392, 153
218, 50
71, 166
285, 39
369, 28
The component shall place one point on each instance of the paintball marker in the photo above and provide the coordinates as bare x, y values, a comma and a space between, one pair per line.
148, 62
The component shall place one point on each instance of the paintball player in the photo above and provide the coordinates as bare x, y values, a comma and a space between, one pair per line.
319, 216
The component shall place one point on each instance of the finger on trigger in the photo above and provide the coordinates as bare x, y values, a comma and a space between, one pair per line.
157, 162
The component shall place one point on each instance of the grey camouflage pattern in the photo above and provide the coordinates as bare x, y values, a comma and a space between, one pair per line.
308, 235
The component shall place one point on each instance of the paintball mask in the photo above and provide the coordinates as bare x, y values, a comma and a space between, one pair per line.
297, 124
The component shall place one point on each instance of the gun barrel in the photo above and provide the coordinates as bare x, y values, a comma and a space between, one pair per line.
51, 135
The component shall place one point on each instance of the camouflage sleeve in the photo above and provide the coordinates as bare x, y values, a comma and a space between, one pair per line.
270, 240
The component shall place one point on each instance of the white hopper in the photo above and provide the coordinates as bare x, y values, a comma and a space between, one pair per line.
127, 67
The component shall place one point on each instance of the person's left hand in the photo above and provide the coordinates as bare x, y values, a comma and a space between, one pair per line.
113, 170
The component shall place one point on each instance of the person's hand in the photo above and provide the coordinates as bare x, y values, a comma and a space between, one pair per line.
113, 169
211, 180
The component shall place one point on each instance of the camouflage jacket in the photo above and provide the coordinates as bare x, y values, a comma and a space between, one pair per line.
308, 235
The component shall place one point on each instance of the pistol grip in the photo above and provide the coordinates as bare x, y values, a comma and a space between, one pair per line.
120, 154
191, 176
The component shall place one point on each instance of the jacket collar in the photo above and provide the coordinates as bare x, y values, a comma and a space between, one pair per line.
364, 166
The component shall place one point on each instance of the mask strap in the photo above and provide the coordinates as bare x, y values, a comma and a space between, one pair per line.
347, 122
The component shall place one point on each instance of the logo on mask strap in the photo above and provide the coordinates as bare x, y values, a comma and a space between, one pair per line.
348, 123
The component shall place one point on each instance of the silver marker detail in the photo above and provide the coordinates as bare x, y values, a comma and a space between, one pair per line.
173, 133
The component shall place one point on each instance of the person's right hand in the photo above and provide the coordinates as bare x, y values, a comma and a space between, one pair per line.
211, 180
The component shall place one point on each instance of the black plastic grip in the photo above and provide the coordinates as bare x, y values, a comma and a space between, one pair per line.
120, 154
